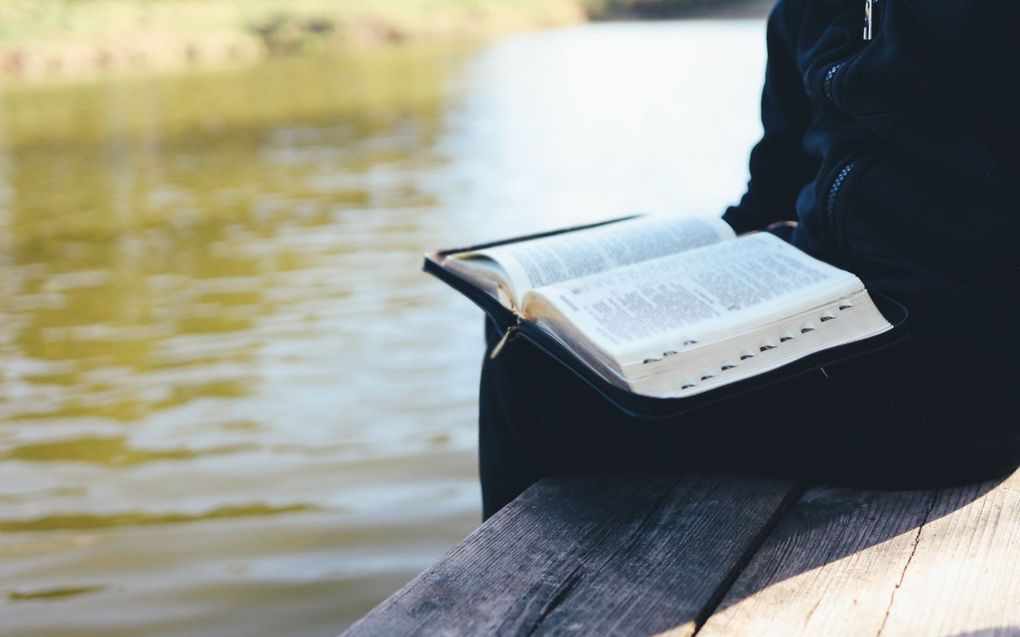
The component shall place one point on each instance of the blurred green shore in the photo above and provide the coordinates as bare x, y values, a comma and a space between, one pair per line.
53, 40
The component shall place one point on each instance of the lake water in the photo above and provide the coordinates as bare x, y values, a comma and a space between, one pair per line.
230, 403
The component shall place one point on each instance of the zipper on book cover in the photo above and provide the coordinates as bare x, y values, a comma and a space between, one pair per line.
509, 335
535, 336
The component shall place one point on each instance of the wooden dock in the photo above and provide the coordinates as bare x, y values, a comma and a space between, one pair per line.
724, 556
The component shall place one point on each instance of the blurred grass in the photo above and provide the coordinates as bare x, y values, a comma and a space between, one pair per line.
25, 20
73, 38
59, 38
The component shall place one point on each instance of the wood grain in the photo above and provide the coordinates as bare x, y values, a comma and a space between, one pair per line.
725, 556
884, 563
594, 555
829, 567
677, 566
964, 575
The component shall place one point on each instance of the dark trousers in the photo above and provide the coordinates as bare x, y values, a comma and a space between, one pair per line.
914, 415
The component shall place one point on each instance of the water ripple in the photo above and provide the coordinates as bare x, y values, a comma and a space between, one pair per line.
89, 521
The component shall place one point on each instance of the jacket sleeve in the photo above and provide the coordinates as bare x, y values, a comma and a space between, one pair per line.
779, 166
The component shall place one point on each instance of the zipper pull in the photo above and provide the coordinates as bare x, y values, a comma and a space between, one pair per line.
869, 18
510, 332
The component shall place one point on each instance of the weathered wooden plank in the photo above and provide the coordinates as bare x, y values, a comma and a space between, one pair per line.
964, 574
678, 565
517, 562
568, 547
834, 562
828, 567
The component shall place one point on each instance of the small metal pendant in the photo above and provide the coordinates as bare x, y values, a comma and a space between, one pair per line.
869, 18
507, 337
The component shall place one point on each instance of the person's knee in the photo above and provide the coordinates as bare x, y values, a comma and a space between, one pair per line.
928, 466
992, 461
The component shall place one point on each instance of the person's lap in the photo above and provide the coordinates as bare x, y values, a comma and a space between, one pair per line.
912, 415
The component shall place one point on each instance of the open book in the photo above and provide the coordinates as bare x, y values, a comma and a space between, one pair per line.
672, 307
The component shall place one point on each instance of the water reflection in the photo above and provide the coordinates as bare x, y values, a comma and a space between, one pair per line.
229, 401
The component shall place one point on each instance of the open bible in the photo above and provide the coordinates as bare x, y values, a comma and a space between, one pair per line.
672, 307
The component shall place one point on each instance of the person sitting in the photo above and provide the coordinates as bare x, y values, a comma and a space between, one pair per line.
889, 150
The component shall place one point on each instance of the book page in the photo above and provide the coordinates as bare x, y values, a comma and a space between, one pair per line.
692, 296
767, 347
562, 257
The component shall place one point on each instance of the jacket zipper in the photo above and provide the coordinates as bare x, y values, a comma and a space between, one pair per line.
870, 18
834, 189
830, 76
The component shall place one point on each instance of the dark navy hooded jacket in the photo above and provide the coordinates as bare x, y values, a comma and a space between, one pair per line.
898, 157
